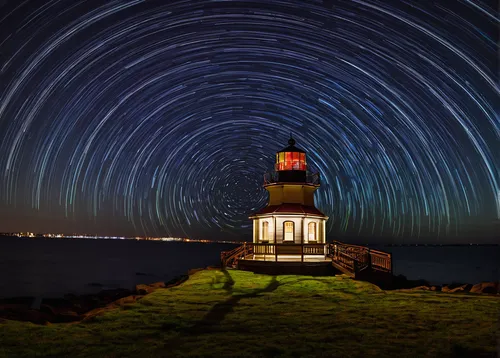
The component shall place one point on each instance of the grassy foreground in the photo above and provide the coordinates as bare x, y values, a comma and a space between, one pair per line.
241, 314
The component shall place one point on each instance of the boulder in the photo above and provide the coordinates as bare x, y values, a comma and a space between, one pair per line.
126, 300
157, 285
463, 288
452, 286
101, 310
486, 287
193, 271
144, 289
421, 288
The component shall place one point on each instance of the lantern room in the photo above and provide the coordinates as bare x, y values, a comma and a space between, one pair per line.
291, 163
291, 158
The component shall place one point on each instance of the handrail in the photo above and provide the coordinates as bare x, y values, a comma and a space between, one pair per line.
230, 258
357, 258
353, 258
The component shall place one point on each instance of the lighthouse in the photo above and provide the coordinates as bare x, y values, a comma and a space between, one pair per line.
290, 227
289, 233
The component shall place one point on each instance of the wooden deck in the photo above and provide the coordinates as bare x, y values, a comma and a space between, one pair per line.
353, 260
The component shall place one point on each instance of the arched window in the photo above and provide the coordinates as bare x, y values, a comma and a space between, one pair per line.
312, 232
265, 231
288, 231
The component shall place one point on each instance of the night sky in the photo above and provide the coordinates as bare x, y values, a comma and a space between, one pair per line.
160, 118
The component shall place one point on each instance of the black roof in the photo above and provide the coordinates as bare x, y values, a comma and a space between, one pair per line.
291, 147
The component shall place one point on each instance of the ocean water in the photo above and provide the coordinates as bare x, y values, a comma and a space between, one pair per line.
446, 264
52, 268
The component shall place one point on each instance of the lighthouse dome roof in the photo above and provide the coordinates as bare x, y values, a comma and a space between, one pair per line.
291, 147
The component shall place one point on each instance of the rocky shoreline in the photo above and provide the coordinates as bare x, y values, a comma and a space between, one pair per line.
78, 308
402, 284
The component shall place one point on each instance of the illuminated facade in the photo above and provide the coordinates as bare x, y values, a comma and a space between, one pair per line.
290, 226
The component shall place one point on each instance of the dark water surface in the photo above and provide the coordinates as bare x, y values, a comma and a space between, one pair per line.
447, 264
51, 268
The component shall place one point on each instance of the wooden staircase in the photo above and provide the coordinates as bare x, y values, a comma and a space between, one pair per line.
354, 259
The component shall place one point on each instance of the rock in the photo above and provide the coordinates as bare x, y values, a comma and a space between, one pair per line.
93, 313
435, 288
421, 288
157, 285
486, 287
193, 271
144, 289
462, 288
456, 287
451, 286
118, 303
127, 300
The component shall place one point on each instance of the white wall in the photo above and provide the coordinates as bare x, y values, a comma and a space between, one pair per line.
301, 226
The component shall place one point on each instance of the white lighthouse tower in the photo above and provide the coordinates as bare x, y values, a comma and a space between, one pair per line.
291, 226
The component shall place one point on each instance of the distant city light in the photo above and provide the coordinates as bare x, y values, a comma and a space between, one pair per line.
87, 236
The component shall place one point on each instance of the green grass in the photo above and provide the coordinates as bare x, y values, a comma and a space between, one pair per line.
241, 314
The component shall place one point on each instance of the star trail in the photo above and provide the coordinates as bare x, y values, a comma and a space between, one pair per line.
161, 117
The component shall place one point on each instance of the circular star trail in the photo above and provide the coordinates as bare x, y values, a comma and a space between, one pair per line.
161, 118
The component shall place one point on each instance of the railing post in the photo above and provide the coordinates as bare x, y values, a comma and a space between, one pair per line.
302, 253
391, 263
275, 252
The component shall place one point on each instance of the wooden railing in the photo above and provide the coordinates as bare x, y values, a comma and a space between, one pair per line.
230, 258
381, 261
356, 258
247, 250
353, 258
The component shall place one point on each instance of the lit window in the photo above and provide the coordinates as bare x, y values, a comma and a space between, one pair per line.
312, 231
265, 231
291, 161
289, 234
